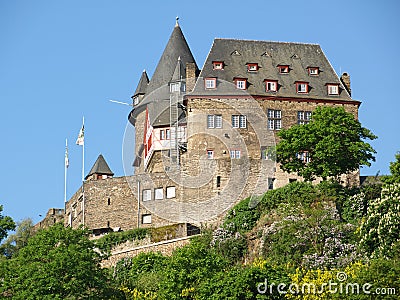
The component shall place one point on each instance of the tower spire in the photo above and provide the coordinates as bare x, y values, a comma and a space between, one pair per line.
176, 21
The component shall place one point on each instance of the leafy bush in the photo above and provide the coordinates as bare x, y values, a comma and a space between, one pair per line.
106, 242
231, 245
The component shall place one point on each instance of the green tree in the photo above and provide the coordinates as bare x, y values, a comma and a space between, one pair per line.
56, 263
6, 224
394, 171
332, 144
19, 239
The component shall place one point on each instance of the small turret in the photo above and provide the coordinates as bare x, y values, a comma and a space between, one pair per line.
100, 170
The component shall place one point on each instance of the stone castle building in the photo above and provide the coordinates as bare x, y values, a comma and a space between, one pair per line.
204, 138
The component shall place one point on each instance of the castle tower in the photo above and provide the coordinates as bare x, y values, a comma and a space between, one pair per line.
100, 170
152, 111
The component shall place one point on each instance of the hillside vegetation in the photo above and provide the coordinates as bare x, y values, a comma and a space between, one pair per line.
301, 241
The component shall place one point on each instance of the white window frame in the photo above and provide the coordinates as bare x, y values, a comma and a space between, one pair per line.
252, 67
159, 193
235, 154
210, 154
274, 119
271, 86
302, 88
174, 87
146, 195
162, 134
168, 134
218, 65
214, 121
171, 192
235, 121
241, 84
146, 219
210, 83
303, 117
313, 71
333, 89
242, 121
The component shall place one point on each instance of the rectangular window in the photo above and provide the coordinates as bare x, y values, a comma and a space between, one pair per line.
333, 89
211, 83
174, 87
168, 134
146, 195
303, 117
210, 154
271, 86
304, 156
274, 119
239, 121
235, 154
283, 69
235, 121
302, 87
146, 219
159, 193
241, 84
218, 65
252, 67
312, 71
218, 181
162, 134
170, 192
214, 121
271, 183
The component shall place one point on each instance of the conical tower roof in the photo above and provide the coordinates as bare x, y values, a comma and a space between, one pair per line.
142, 85
176, 47
100, 167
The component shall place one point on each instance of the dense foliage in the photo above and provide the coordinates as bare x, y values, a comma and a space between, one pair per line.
6, 224
297, 242
332, 144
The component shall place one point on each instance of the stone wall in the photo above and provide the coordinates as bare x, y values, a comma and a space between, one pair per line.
164, 247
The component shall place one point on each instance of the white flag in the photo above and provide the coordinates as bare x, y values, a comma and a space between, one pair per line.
66, 157
81, 137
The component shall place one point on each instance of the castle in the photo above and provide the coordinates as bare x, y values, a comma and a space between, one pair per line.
204, 139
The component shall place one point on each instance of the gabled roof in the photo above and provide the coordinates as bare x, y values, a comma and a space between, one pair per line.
176, 47
268, 55
100, 167
142, 85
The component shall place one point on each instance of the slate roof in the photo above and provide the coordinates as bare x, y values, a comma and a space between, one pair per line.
100, 167
176, 47
236, 54
171, 67
142, 85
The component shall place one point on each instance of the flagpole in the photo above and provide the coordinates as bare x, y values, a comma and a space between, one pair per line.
83, 174
65, 171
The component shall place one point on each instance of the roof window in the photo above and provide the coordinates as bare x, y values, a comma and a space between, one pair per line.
241, 83
283, 69
333, 89
313, 71
271, 85
210, 83
218, 65
302, 87
252, 67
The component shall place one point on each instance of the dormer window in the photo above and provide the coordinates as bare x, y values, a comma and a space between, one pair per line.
302, 87
271, 85
252, 67
313, 71
218, 65
210, 83
283, 69
241, 83
333, 89
136, 100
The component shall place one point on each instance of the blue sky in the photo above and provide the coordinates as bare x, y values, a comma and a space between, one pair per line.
60, 60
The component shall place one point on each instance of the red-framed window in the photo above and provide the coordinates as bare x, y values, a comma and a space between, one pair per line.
283, 69
218, 65
333, 88
210, 83
302, 87
271, 85
252, 67
313, 71
240, 83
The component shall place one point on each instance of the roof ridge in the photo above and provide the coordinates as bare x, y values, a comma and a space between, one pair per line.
266, 41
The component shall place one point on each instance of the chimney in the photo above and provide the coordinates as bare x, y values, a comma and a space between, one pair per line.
190, 76
345, 79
